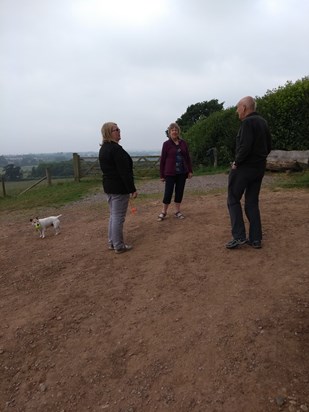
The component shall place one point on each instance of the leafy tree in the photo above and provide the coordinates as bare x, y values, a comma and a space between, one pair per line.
218, 130
3, 161
64, 168
198, 111
287, 111
12, 172
40, 170
59, 169
28, 160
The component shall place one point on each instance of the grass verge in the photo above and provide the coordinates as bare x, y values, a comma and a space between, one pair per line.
294, 180
59, 193
65, 191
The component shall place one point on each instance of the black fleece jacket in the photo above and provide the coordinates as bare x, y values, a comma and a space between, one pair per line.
253, 142
117, 168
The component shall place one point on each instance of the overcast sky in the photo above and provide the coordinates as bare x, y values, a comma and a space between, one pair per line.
68, 66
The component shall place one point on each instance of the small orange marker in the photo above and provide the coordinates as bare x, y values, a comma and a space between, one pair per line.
133, 208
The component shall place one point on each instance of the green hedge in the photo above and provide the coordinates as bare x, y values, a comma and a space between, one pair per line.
286, 109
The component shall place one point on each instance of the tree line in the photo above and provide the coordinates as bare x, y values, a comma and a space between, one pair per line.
207, 125
19, 167
57, 169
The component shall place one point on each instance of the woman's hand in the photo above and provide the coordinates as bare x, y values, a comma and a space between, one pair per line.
134, 195
190, 175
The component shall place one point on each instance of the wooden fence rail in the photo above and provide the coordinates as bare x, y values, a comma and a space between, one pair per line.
46, 177
89, 166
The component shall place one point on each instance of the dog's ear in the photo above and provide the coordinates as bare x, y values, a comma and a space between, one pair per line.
31, 220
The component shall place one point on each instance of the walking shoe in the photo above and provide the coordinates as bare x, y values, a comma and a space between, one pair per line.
125, 248
110, 247
235, 243
256, 244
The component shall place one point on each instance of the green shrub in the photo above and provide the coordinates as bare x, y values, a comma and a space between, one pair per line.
287, 111
218, 130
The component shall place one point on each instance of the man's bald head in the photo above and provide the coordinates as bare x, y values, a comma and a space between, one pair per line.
245, 106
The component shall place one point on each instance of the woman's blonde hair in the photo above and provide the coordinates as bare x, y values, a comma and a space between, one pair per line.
106, 131
172, 126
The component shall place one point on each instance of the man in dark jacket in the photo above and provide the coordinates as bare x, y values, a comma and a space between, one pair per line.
253, 143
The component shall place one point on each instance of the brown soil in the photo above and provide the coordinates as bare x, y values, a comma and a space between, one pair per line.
177, 324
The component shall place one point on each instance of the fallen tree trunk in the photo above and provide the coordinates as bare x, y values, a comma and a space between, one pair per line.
282, 160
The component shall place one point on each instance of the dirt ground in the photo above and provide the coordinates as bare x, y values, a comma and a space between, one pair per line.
177, 324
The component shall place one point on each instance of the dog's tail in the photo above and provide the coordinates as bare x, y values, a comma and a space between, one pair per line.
58, 216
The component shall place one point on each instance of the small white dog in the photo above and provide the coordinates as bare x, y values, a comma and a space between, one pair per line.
42, 224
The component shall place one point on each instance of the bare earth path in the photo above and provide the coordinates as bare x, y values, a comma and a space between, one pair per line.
178, 324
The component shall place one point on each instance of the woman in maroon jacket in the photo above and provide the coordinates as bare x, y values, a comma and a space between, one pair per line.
175, 168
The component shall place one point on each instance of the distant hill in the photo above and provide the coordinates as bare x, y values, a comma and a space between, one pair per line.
34, 159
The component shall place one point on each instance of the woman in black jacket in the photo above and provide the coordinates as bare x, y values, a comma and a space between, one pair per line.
118, 184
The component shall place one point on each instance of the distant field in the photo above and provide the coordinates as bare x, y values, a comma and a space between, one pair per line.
15, 188
62, 191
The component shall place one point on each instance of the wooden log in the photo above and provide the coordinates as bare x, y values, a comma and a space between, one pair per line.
282, 160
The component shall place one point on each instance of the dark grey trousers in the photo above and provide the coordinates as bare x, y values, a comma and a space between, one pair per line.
245, 180
118, 206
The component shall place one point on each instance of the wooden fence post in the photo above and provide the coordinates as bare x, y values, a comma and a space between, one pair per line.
48, 176
3, 185
76, 167
215, 157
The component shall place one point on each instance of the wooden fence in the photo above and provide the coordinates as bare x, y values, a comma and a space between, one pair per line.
47, 177
89, 166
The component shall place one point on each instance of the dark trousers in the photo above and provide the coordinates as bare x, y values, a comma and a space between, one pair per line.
178, 182
246, 180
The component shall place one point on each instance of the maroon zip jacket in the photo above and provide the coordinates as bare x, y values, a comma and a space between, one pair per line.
168, 158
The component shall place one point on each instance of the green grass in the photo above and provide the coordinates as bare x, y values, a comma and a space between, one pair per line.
64, 191
210, 170
59, 193
294, 180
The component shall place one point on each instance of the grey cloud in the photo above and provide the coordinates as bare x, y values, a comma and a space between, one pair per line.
61, 77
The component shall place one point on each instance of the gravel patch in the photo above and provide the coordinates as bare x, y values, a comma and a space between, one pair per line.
197, 183
204, 184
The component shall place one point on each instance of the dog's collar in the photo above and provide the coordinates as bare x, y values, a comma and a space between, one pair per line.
37, 226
